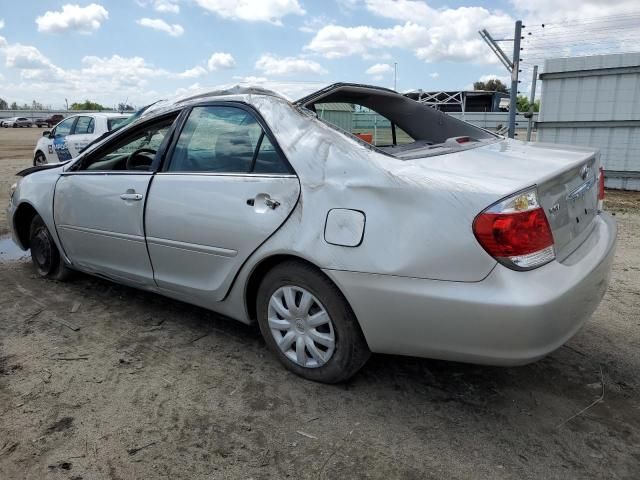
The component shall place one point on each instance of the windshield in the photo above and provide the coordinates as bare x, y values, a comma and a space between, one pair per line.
117, 122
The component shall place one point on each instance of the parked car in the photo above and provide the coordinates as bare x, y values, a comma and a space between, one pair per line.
49, 121
16, 122
70, 136
458, 244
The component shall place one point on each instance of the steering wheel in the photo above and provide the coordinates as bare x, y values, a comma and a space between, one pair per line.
130, 165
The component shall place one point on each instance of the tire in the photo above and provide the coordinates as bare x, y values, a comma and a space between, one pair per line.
39, 159
45, 255
349, 351
15, 125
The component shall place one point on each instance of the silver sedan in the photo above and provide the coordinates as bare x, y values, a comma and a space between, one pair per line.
16, 122
386, 226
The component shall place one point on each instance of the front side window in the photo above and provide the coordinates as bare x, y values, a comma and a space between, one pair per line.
134, 152
84, 125
64, 128
223, 139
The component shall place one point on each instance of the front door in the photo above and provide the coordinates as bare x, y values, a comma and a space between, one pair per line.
99, 206
225, 190
59, 151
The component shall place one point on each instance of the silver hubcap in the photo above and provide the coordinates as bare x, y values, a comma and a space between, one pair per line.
301, 326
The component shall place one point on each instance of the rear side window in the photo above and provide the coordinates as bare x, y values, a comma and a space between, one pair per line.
84, 125
224, 139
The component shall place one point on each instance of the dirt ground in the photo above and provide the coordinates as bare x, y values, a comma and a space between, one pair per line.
99, 381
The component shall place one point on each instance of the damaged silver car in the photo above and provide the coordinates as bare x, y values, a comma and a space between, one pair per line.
426, 236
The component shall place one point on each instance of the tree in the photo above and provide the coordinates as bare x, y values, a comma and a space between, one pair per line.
87, 105
14, 106
36, 105
523, 104
491, 85
125, 107
3, 104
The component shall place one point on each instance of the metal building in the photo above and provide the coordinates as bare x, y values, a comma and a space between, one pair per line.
462, 101
595, 101
339, 114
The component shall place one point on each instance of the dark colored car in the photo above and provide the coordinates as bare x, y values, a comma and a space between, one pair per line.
49, 121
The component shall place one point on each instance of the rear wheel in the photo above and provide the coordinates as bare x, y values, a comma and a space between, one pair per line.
39, 159
308, 324
45, 255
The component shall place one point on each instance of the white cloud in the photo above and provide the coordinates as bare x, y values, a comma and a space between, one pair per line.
174, 30
379, 69
24, 57
3, 42
434, 75
220, 61
273, 65
314, 24
194, 72
1, 23
166, 6
447, 34
250, 79
162, 6
124, 71
404, 10
73, 18
253, 10
553, 11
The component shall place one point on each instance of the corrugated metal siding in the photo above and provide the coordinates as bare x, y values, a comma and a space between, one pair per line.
603, 89
340, 119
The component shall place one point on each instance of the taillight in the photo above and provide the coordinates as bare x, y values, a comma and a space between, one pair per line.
516, 232
600, 188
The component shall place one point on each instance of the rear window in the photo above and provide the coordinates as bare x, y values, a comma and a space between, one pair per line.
116, 122
363, 122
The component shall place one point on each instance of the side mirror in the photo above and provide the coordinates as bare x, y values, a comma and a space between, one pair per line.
46, 133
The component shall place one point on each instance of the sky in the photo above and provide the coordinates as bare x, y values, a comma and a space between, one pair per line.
139, 51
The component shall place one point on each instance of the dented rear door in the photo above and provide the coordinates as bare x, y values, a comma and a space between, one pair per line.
226, 189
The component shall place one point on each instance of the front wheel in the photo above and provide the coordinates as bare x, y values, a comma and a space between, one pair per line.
306, 321
45, 255
39, 159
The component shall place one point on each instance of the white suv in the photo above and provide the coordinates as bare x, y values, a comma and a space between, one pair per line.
71, 135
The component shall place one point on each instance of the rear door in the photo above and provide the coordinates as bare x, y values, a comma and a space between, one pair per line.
81, 135
226, 188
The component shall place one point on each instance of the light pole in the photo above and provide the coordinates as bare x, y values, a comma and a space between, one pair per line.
395, 76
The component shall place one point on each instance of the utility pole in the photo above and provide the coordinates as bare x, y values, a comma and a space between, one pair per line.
511, 64
395, 75
532, 99
514, 79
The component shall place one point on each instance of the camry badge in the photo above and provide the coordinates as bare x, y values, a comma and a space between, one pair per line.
555, 209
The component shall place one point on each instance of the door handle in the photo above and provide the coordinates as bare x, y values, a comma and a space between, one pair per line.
131, 196
263, 200
271, 203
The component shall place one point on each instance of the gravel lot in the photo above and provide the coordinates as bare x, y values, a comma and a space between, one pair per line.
99, 381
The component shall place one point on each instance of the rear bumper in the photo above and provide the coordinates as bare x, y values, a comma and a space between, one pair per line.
509, 318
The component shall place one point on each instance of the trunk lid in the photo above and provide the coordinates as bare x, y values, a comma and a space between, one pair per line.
565, 176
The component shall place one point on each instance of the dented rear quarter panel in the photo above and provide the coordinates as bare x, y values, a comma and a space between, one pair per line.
417, 225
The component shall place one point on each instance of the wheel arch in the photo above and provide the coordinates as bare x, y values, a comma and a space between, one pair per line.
36, 154
22, 222
266, 265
